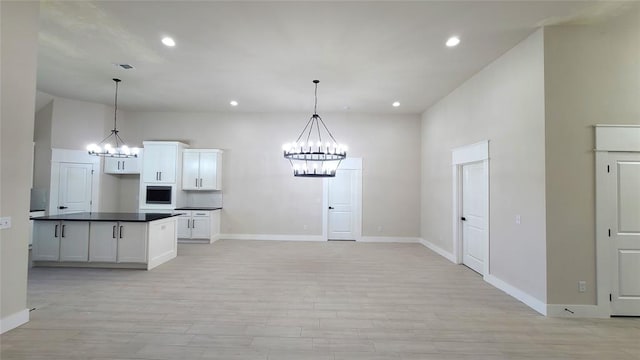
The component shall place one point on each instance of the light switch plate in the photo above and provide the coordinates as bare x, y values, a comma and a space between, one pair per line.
5, 222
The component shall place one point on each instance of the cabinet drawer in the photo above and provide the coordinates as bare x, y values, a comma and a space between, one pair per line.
201, 213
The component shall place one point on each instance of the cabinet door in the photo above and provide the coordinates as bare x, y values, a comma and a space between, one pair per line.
130, 165
46, 241
201, 225
184, 228
159, 163
103, 241
209, 171
132, 242
74, 241
190, 170
112, 165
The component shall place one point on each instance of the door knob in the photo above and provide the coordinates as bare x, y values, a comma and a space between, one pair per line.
330, 207
463, 218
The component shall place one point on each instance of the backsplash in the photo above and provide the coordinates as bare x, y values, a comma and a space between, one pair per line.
204, 198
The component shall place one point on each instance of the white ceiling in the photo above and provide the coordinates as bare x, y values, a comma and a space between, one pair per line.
265, 54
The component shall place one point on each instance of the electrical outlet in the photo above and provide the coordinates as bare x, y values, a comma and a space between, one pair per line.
5, 222
306, 227
582, 286
518, 219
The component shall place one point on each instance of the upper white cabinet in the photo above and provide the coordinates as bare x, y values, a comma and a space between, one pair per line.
202, 169
160, 162
114, 165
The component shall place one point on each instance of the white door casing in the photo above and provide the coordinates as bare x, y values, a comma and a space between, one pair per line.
473, 216
75, 188
344, 194
624, 194
617, 174
63, 156
477, 153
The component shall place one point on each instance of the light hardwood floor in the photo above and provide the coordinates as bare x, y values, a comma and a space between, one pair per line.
298, 300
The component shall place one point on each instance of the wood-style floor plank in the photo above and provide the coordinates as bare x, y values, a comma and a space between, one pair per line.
269, 300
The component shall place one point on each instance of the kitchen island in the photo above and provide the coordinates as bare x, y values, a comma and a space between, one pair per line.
105, 240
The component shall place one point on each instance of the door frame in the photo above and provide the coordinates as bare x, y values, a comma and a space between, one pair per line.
346, 164
609, 139
72, 156
472, 153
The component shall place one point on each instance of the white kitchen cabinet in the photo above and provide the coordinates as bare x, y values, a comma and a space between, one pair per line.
103, 241
198, 225
74, 241
46, 241
60, 241
114, 165
184, 225
201, 224
160, 161
132, 242
202, 169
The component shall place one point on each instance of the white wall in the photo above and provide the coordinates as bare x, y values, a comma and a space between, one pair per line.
592, 76
42, 151
261, 196
19, 34
503, 103
73, 124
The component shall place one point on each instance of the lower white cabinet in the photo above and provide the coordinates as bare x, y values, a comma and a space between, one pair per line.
199, 225
103, 243
132, 242
60, 241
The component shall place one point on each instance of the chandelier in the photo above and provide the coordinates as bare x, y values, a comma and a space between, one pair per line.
315, 153
113, 145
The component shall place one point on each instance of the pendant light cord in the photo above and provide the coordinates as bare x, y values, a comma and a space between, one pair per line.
115, 112
315, 104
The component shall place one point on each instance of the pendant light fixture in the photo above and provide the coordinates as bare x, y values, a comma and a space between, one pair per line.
113, 145
315, 153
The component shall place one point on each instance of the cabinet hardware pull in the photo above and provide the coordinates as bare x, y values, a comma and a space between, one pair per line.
113, 233
196, 182
122, 164
121, 232
200, 182
160, 172
193, 223
118, 165
62, 235
463, 218
55, 232
188, 224
330, 207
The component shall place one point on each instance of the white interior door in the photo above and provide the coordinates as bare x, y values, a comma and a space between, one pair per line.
624, 190
74, 190
342, 205
473, 216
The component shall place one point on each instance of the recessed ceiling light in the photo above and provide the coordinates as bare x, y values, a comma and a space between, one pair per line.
233, 103
396, 103
168, 41
453, 41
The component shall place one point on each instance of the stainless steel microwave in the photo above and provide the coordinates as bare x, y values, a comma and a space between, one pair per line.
158, 195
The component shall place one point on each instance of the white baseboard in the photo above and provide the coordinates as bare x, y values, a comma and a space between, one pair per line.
14, 320
388, 239
438, 250
527, 299
576, 311
271, 237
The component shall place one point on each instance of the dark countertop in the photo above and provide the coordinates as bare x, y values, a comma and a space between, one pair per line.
107, 216
203, 208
